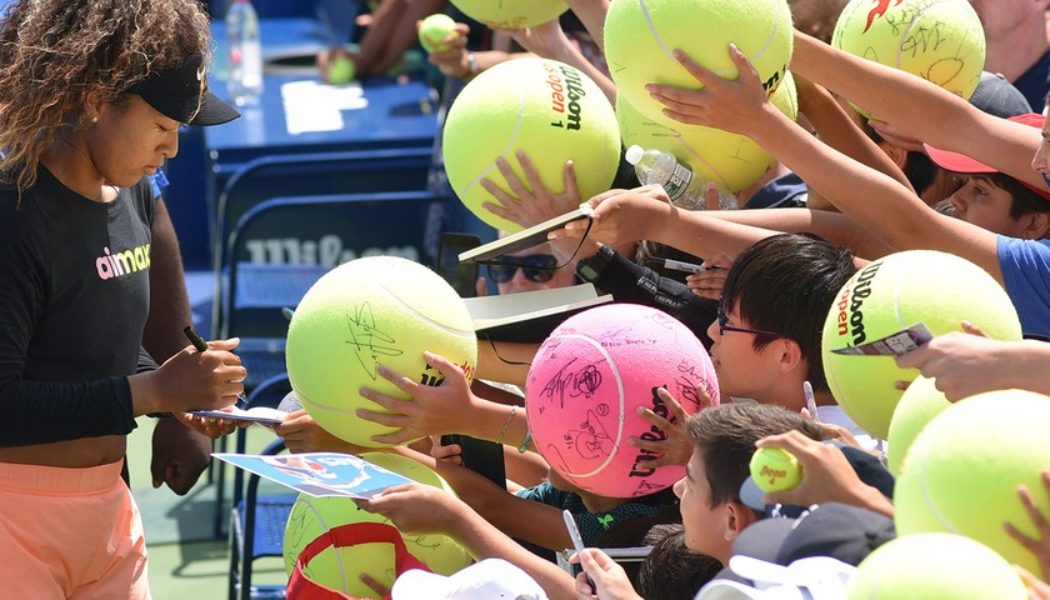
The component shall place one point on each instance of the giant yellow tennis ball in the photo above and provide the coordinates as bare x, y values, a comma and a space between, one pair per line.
340, 568
512, 14
732, 161
962, 473
891, 294
941, 41
921, 402
641, 34
434, 30
775, 470
934, 566
550, 110
373, 311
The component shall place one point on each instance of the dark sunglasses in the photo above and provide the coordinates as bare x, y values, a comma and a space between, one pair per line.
723, 325
536, 267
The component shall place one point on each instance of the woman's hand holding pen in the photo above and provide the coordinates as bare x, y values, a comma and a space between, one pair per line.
191, 380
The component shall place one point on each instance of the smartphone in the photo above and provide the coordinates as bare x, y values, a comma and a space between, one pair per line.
462, 276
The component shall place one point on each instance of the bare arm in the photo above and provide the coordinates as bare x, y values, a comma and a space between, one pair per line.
505, 361
592, 14
835, 227
915, 105
531, 521
839, 131
169, 307
873, 199
418, 508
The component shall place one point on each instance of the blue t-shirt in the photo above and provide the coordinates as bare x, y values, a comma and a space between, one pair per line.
1035, 82
1026, 273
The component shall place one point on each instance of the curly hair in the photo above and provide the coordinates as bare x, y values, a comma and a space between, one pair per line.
55, 54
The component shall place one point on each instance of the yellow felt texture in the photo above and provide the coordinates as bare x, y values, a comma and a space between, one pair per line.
376, 310
512, 14
732, 161
641, 34
934, 567
939, 40
550, 110
897, 291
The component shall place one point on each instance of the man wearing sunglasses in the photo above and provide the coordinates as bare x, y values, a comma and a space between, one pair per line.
767, 337
532, 269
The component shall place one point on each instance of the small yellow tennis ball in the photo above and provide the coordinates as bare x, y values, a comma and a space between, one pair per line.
775, 470
434, 30
341, 70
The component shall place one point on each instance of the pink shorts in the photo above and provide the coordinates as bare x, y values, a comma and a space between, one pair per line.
70, 533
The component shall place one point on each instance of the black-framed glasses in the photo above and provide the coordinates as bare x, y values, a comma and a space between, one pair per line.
724, 326
510, 264
536, 267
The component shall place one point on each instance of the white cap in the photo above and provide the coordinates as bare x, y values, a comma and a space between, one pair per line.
490, 579
634, 154
814, 578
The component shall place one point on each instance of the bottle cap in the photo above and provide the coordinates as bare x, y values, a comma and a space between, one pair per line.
634, 154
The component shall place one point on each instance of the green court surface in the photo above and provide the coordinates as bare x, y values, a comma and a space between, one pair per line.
185, 561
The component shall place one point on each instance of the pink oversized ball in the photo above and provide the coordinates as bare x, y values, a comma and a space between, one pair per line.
588, 379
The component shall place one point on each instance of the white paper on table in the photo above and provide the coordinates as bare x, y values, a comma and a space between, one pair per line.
312, 106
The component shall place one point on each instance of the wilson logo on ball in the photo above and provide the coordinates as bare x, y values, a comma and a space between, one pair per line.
566, 91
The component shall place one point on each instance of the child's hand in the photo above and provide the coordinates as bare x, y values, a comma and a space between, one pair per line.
535, 203
961, 364
1038, 546
430, 411
608, 576
192, 380
710, 282
301, 433
452, 453
416, 508
453, 62
726, 104
676, 448
620, 216
826, 475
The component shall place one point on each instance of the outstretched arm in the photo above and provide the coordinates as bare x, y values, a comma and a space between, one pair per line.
875, 200
921, 108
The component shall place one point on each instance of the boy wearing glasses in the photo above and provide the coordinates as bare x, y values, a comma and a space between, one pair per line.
767, 335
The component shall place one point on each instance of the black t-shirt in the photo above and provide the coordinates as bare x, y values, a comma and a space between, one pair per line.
74, 297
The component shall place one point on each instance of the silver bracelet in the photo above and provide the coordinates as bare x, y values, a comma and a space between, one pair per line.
506, 426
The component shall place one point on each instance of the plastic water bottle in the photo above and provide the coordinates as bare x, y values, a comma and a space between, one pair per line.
655, 167
245, 82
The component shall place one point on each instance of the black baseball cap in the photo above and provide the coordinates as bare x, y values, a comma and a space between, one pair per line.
997, 96
181, 93
840, 531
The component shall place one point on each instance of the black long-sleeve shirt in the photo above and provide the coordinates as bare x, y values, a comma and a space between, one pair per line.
74, 296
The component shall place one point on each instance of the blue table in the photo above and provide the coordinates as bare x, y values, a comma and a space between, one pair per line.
399, 115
